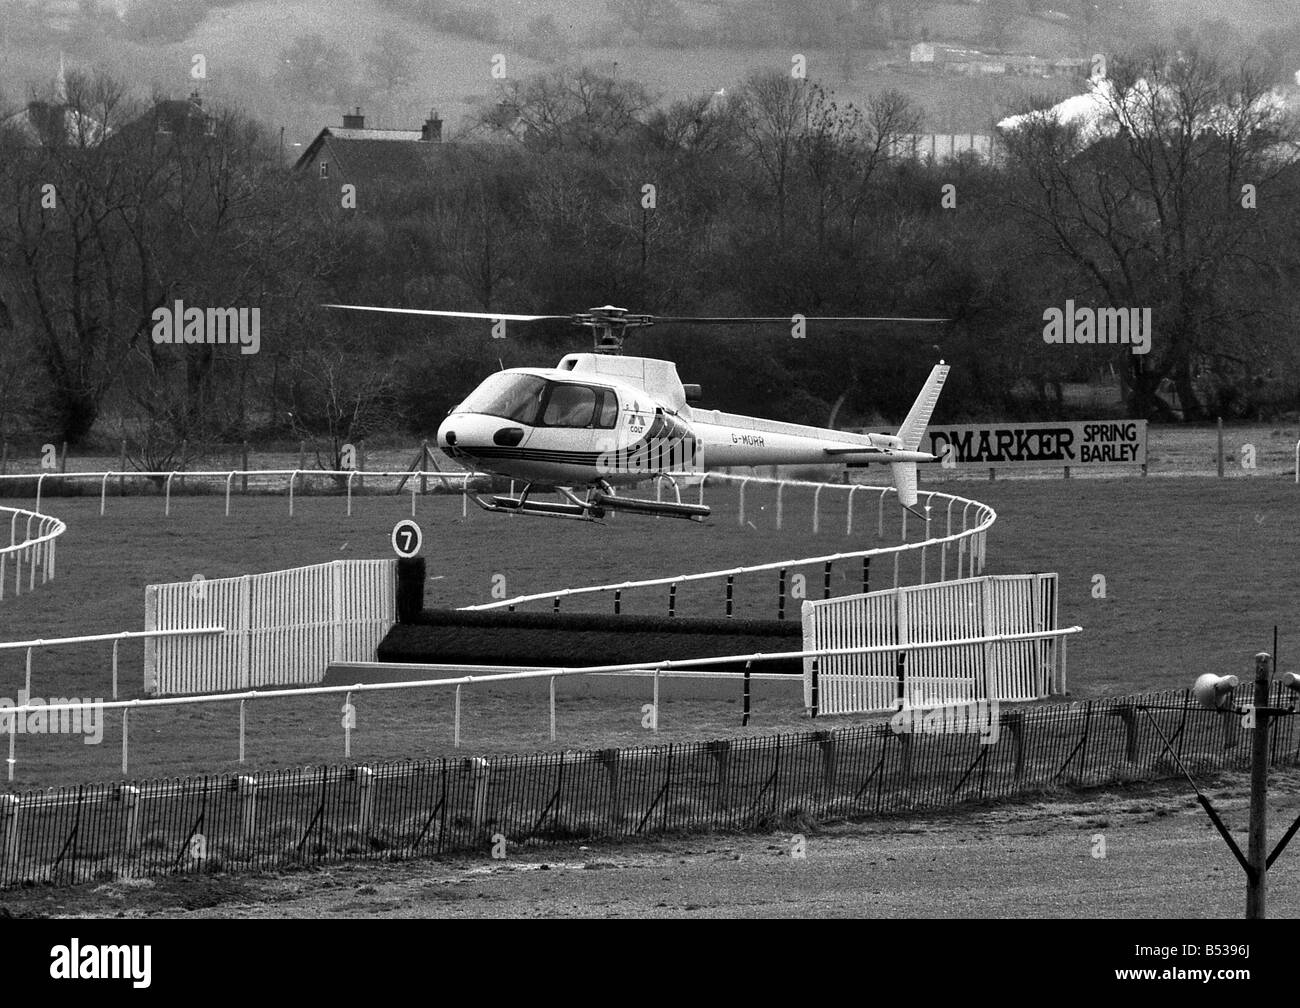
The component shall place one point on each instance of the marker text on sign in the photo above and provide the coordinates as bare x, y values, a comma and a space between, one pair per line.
1042, 444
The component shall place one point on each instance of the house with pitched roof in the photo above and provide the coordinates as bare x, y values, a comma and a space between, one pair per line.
360, 155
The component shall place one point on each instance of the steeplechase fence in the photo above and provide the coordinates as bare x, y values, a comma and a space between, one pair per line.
999, 634
426, 808
32, 540
281, 628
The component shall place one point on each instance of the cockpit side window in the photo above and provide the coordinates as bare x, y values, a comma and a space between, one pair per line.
530, 399
607, 414
570, 406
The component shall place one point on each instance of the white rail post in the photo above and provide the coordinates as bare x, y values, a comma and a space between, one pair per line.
243, 726
292, 479
13, 738
780, 490
29, 670
229, 480
927, 536
131, 802
456, 732
126, 714
943, 550
39, 480
167, 504
898, 553
349, 712
115, 643
247, 790
848, 529
817, 507
103, 493
552, 708
880, 515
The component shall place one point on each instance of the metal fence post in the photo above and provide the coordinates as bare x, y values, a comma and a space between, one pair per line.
131, 802
826, 742
365, 779
1128, 716
247, 790
611, 760
9, 809
1013, 723
720, 750
479, 770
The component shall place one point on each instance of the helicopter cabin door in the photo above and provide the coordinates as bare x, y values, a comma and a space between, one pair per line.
577, 424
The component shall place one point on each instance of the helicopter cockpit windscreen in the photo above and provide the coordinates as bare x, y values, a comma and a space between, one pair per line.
528, 399
516, 397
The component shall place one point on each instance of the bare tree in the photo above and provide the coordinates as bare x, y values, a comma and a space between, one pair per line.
1145, 204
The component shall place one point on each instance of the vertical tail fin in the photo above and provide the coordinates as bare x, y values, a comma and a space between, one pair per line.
913, 430
918, 419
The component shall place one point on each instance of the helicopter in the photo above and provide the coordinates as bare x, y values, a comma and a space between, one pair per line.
599, 421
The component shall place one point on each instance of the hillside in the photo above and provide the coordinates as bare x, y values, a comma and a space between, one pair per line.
243, 43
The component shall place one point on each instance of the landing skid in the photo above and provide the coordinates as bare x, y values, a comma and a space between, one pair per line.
663, 509
595, 507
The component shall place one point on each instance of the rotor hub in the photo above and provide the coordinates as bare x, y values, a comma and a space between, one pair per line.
609, 326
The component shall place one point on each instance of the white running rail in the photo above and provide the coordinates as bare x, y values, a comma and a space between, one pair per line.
969, 541
33, 546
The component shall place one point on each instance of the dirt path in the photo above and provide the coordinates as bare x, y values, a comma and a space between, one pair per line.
1162, 859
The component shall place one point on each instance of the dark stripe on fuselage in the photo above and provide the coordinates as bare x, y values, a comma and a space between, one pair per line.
668, 440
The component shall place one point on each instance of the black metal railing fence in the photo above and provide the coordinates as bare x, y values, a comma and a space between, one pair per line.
429, 807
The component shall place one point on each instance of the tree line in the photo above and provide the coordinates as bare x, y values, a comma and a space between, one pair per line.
574, 188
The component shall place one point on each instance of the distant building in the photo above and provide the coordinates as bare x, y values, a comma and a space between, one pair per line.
951, 59
172, 117
53, 123
353, 153
943, 147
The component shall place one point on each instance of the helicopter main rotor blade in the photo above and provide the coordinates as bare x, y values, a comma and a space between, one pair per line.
786, 319
449, 314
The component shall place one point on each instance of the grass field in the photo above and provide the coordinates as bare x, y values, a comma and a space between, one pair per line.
1196, 573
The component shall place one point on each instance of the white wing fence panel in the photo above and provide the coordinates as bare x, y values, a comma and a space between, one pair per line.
979, 607
282, 628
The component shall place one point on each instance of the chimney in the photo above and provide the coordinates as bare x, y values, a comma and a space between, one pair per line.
431, 131
354, 121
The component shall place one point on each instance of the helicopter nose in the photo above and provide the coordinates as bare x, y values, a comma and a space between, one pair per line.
461, 433
448, 439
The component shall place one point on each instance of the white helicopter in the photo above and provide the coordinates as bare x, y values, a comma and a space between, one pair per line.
600, 420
